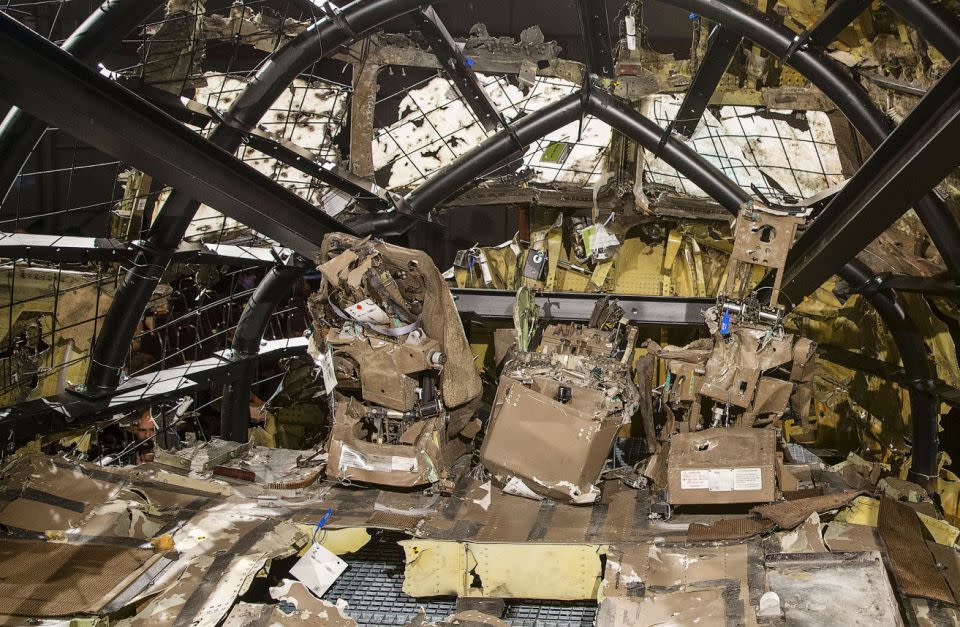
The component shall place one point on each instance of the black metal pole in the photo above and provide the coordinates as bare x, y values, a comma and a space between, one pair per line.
721, 47
915, 157
90, 42
321, 39
595, 35
620, 115
837, 84
272, 290
924, 404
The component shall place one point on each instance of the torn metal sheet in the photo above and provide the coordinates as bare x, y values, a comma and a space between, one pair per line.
646, 583
208, 587
832, 588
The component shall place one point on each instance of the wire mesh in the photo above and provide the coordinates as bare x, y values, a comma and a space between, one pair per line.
435, 126
785, 155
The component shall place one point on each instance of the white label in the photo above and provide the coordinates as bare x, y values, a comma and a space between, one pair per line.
721, 480
747, 479
694, 479
349, 458
368, 311
352, 458
318, 569
406, 464
325, 362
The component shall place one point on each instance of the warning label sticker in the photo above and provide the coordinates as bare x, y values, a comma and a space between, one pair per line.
721, 479
694, 479
747, 479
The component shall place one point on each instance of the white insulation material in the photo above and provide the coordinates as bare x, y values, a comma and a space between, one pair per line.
780, 158
308, 115
436, 126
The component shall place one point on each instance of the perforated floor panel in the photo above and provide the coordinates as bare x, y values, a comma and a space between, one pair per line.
373, 583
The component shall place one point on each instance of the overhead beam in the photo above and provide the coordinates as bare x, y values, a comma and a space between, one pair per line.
721, 47
571, 306
914, 158
837, 17
595, 34
114, 120
456, 66
90, 42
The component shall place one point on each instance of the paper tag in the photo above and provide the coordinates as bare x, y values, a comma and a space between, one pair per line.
597, 237
721, 480
325, 362
747, 479
318, 569
367, 311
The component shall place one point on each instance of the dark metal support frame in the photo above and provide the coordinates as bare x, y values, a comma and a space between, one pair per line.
595, 33
456, 67
826, 74
89, 43
321, 39
618, 114
112, 119
270, 293
721, 46
837, 17
915, 157
836, 82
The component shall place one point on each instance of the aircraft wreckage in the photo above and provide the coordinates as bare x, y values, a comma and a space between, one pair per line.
394, 316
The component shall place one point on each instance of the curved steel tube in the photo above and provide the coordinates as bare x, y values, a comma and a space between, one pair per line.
833, 79
321, 39
90, 42
271, 291
924, 407
913, 354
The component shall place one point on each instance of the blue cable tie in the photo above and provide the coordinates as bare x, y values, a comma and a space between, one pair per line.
323, 521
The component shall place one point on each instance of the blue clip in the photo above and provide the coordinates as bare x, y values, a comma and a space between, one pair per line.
469, 61
323, 520
692, 16
725, 323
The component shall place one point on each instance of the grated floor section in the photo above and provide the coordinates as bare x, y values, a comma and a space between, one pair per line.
372, 586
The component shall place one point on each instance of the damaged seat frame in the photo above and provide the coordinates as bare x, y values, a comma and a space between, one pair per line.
361, 16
